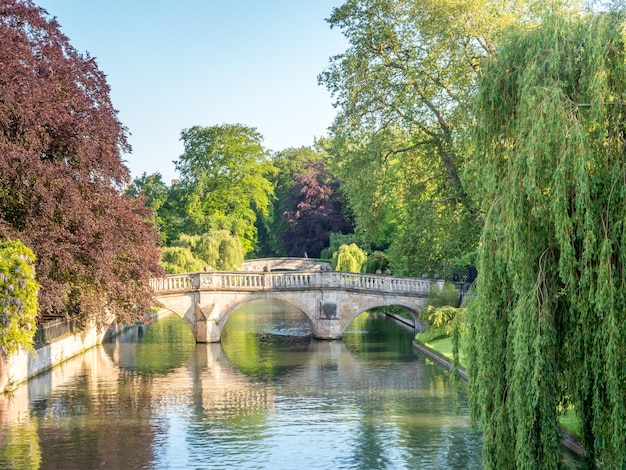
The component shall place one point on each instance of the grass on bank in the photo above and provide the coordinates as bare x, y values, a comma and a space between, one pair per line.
442, 345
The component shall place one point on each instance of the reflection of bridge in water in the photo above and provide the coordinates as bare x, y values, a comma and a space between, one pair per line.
207, 380
330, 300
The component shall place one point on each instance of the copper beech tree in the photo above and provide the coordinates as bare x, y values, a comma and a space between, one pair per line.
314, 208
61, 174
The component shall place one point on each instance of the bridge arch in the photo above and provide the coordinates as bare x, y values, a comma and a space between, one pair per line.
185, 318
410, 309
257, 298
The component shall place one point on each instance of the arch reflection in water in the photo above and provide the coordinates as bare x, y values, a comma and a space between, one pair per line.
297, 403
265, 339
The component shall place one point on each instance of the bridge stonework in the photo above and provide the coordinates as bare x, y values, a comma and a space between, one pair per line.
329, 300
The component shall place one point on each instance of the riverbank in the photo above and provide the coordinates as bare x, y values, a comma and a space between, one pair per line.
24, 365
568, 441
438, 358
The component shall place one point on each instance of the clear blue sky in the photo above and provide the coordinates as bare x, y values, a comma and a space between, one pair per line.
173, 65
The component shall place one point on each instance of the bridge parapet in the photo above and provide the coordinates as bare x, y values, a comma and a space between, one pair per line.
296, 280
173, 282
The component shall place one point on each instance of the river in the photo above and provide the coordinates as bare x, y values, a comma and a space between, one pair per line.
267, 397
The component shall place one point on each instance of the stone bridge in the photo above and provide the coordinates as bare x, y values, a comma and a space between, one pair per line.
330, 300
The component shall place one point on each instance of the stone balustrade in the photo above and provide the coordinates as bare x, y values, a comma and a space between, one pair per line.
296, 280
173, 282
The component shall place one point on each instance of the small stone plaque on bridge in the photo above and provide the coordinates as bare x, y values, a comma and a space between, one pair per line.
329, 309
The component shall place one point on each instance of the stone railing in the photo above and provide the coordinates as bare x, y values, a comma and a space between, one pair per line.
173, 282
297, 280
374, 282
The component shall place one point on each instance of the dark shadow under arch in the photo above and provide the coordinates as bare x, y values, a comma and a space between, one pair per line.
393, 313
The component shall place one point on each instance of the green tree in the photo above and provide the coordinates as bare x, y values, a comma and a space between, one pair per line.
547, 325
224, 180
216, 249
376, 262
404, 90
336, 240
154, 193
152, 188
219, 249
164, 201
349, 258
18, 297
173, 215
180, 259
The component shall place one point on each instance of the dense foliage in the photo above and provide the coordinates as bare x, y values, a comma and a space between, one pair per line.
547, 326
155, 195
404, 91
224, 182
18, 297
215, 249
180, 259
289, 163
349, 258
377, 262
61, 174
313, 209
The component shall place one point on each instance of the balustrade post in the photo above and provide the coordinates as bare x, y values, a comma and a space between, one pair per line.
330, 279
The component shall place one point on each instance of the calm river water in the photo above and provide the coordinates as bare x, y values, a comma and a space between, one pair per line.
267, 397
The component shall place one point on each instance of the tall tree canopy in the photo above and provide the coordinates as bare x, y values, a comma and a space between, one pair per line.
61, 173
288, 163
313, 209
547, 327
152, 188
224, 180
404, 90
154, 194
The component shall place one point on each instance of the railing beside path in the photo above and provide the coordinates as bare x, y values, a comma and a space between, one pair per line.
222, 280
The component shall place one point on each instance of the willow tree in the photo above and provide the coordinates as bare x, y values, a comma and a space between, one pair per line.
547, 326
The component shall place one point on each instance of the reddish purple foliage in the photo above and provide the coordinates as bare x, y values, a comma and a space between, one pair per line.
61, 173
317, 211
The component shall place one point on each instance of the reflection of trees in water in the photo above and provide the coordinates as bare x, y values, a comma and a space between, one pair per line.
369, 448
368, 402
110, 416
264, 357
419, 408
158, 348
19, 444
101, 414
